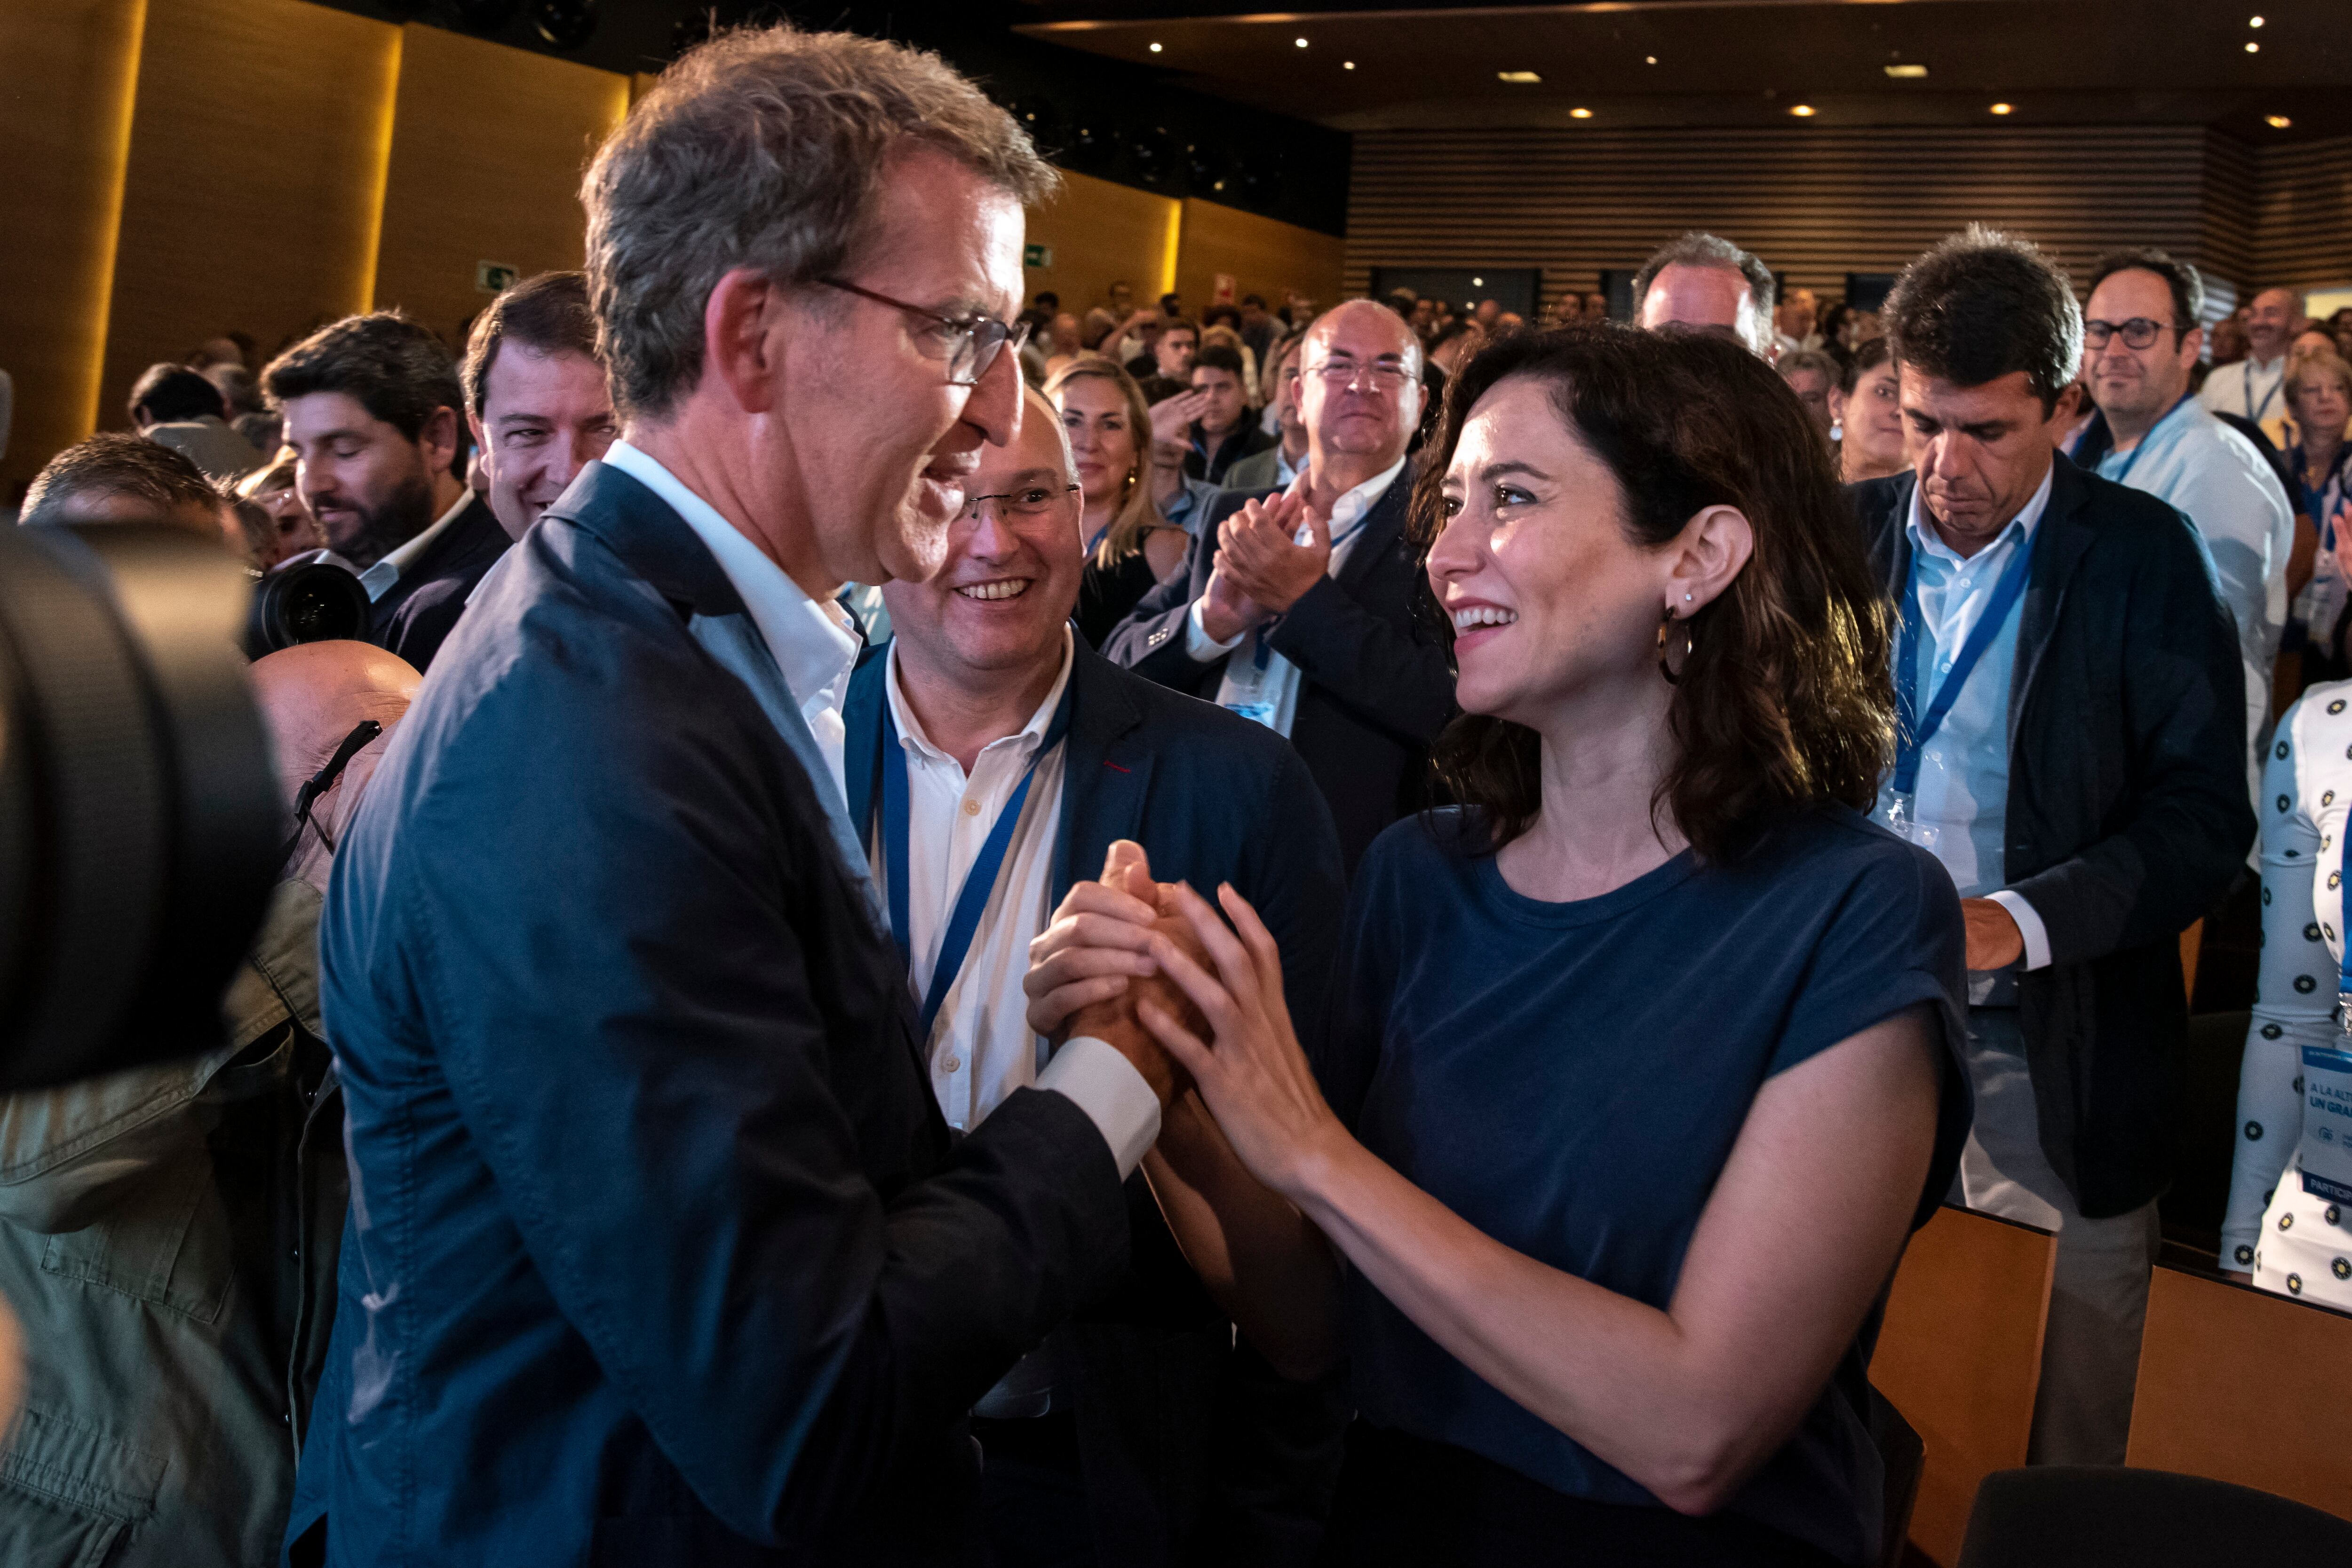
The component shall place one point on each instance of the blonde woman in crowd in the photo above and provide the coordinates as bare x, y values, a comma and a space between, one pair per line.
2319, 402
1137, 506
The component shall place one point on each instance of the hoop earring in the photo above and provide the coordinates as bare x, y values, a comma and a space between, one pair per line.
1665, 668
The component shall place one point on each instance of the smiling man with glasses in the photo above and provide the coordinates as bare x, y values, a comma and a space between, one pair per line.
665, 1255
2141, 337
1296, 608
993, 761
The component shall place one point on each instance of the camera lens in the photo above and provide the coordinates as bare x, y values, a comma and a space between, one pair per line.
305, 601
139, 818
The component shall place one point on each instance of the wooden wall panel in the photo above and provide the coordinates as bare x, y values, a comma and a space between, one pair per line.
255, 178
67, 72
488, 146
2302, 217
1100, 232
1814, 203
1263, 256
2227, 247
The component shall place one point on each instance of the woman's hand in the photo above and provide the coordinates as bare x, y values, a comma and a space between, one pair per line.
1254, 1078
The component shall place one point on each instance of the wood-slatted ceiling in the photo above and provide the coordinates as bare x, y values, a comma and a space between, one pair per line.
1816, 202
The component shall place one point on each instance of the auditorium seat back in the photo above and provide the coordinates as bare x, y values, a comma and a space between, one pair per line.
1960, 1357
2244, 1385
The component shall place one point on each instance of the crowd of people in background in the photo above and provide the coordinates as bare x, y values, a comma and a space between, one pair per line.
1170, 576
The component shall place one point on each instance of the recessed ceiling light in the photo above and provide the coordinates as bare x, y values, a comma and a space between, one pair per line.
2005, 108
1579, 113
1301, 42
2252, 47
1801, 110
1906, 70
1155, 48
2254, 21
1651, 59
1518, 77
1346, 65
2277, 121
1478, 283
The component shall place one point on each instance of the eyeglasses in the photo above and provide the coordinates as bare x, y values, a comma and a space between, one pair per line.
1344, 376
968, 343
2139, 332
1029, 501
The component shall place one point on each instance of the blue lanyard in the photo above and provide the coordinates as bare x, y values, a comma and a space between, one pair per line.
2344, 980
971, 899
2123, 473
2254, 408
1913, 729
1262, 655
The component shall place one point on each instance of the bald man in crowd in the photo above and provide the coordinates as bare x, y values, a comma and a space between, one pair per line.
1296, 610
169, 1234
2254, 388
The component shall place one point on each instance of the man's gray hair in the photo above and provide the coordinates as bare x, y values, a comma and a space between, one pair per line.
1712, 250
763, 148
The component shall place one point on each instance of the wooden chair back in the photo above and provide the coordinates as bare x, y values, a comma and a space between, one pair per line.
2244, 1385
1960, 1357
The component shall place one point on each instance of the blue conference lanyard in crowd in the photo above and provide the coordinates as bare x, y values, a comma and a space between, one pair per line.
1914, 729
2326, 1152
2254, 409
971, 899
2123, 473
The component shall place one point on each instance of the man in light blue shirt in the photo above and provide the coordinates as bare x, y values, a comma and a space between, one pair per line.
2070, 749
2140, 341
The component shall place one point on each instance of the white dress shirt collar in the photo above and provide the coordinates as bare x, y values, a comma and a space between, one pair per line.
378, 578
1349, 508
1027, 738
813, 643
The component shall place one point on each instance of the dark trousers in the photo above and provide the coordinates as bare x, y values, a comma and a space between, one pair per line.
1033, 1495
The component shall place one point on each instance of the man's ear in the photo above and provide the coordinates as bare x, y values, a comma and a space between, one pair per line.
438, 439
735, 346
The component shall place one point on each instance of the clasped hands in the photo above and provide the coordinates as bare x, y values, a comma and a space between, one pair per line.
1197, 1006
1261, 568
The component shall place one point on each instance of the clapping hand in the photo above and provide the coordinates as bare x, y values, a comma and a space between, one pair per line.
1259, 553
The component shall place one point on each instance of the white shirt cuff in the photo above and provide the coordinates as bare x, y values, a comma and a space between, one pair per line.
1111, 1093
1202, 647
2029, 925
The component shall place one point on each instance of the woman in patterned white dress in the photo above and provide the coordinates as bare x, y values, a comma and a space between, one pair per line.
2281, 1233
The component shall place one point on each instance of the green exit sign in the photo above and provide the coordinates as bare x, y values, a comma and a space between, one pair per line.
1037, 255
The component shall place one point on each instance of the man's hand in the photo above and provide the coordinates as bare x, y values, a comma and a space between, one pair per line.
1258, 550
1088, 969
1225, 611
1994, 940
1173, 418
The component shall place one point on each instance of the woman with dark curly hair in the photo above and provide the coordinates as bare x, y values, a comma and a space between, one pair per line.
1641, 1064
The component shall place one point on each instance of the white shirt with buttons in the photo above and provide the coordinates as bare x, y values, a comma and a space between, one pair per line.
982, 1047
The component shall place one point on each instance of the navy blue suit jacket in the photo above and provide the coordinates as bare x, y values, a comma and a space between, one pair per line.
415, 614
658, 1251
2126, 817
1184, 1448
1374, 688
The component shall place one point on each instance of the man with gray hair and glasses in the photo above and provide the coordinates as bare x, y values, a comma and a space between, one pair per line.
660, 1251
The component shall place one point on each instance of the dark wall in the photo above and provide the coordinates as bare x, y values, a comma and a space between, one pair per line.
1099, 117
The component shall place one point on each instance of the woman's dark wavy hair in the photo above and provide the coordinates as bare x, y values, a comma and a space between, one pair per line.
1784, 701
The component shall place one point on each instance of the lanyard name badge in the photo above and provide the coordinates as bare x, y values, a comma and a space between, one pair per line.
1251, 687
979, 882
2325, 1154
1914, 729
